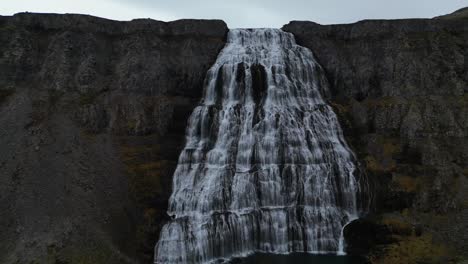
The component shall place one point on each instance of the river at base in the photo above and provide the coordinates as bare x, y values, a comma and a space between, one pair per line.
298, 258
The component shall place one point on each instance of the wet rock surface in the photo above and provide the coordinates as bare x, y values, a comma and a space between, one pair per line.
92, 119
401, 90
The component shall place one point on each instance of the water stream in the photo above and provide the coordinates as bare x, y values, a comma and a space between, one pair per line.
265, 167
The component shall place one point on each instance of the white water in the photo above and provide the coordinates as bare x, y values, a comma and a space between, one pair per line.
265, 166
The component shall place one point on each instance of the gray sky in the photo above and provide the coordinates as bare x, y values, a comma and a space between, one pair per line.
242, 13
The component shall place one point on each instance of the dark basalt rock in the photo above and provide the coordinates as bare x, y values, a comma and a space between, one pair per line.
92, 117
363, 234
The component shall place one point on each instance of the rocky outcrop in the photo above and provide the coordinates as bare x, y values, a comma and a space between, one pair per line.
401, 90
92, 118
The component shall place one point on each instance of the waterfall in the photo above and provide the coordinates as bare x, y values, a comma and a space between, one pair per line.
265, 166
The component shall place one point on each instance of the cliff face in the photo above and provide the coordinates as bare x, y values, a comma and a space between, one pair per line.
92, 118
401, 90
93, 113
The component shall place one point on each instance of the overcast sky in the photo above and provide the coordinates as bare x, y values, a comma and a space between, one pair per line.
242, 13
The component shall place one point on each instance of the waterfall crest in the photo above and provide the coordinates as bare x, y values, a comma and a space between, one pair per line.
265, 166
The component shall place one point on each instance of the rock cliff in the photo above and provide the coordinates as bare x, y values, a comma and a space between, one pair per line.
400, 88
92, 119
93, 113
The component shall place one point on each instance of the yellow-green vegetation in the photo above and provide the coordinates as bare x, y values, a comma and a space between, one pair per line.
407, 183
99, 254
397, 224
463, 99
91, 257
391, 146
131, 153
148, 176
149, 171
372, 164
86, 253
384, 161
411, 246
413, 249
465, 172
156, 165
144, 167
340, 108
7, 27
87, 98
464, 204
131, 124
413, 243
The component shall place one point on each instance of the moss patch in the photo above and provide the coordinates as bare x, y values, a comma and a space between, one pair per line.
407, 183
149, 169
90, 254
383, 159
87, 98
397, 224
144, 171
410, 246
86, 252
372, 164
132, 124
7, 28
340, 108
414, 249
391, 147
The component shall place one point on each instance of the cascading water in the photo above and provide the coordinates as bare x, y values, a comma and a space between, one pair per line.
265, 166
